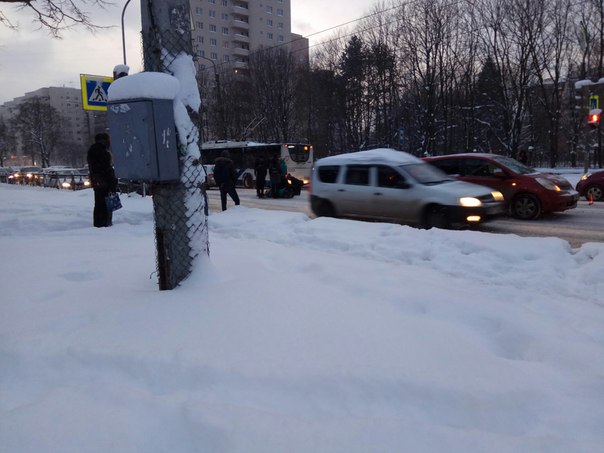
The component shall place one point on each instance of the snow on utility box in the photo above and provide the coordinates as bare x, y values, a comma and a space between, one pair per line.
143, 139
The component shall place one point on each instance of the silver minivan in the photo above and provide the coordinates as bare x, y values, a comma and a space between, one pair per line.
391, 185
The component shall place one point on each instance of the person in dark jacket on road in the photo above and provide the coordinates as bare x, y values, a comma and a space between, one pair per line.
226, 177
102, 178
260, 170
274, 172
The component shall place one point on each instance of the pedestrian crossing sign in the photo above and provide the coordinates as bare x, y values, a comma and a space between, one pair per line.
94, 91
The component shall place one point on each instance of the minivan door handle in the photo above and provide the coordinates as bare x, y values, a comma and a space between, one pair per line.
341, 190
378, 193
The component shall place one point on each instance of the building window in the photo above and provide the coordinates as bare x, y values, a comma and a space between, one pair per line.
269, 22
213, 28
213, 42
214, 56
199, 25
199, 11
224, 3
280, 25
225, 30
212, 1
225, 16
279, 11
200, 39
280, 38
269, 35
212, 13
225, 45
225, 58
269, 9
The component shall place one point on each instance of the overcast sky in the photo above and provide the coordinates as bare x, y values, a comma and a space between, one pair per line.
31, 59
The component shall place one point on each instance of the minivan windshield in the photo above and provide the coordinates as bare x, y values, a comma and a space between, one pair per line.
514, 165
426, 174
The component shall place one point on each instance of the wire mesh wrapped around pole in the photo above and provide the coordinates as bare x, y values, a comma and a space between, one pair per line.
180, 209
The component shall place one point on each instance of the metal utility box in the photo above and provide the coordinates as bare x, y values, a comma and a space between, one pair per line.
143, 140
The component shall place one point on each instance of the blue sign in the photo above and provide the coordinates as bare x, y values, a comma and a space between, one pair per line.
95, 91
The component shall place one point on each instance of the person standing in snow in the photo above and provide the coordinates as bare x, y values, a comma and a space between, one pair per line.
260, 170
226, 178
102, 178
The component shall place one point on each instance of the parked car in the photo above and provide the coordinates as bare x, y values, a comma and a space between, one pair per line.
591, 186
529, 193
390, 185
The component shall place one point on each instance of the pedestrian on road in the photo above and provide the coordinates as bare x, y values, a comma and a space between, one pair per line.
274, 172
260, 170
226, 178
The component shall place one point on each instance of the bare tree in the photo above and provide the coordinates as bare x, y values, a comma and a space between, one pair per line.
55, 15
7, 141
38, 126
275, 77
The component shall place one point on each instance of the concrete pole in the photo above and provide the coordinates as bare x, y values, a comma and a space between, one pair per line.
180, 209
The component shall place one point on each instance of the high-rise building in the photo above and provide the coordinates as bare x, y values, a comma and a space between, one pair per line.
78, 126
226, 31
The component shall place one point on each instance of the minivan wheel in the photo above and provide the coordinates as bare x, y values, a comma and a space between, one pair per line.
325, 209
436, 217
594, 193
526, 207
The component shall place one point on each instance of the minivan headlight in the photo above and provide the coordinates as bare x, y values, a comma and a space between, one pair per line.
548, 184
497, 196
585, 176
470, 202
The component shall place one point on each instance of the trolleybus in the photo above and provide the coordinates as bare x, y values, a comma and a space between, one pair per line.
297, 156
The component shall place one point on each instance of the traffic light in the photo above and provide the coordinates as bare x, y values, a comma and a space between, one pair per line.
594, 117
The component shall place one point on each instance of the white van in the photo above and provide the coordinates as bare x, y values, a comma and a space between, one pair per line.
391, 185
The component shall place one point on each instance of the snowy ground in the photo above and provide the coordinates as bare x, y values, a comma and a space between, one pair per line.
297, 335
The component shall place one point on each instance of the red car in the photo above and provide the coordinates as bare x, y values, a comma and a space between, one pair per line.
528, 192
591, 186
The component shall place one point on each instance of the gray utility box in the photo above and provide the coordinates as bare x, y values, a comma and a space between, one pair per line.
143, 140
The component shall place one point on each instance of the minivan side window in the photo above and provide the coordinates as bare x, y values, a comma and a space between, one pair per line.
389, 177
328, 173
357, 175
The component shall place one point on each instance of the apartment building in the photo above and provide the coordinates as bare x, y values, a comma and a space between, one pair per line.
226, 31
78, 126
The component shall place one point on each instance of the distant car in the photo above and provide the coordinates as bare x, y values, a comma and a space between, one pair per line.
210, 181
390, 185
62, 177
5, 172
591, 186
31, 175
529, 193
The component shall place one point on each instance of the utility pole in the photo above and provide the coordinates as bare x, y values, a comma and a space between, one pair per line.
180, 209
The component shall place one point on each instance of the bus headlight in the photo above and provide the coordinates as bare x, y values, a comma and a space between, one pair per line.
470, 202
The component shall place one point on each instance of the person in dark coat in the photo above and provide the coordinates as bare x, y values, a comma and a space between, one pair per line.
102, 178
274, 172
260, 170
226, 177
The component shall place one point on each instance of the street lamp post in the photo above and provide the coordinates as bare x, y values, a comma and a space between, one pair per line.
222, 127
123, 32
